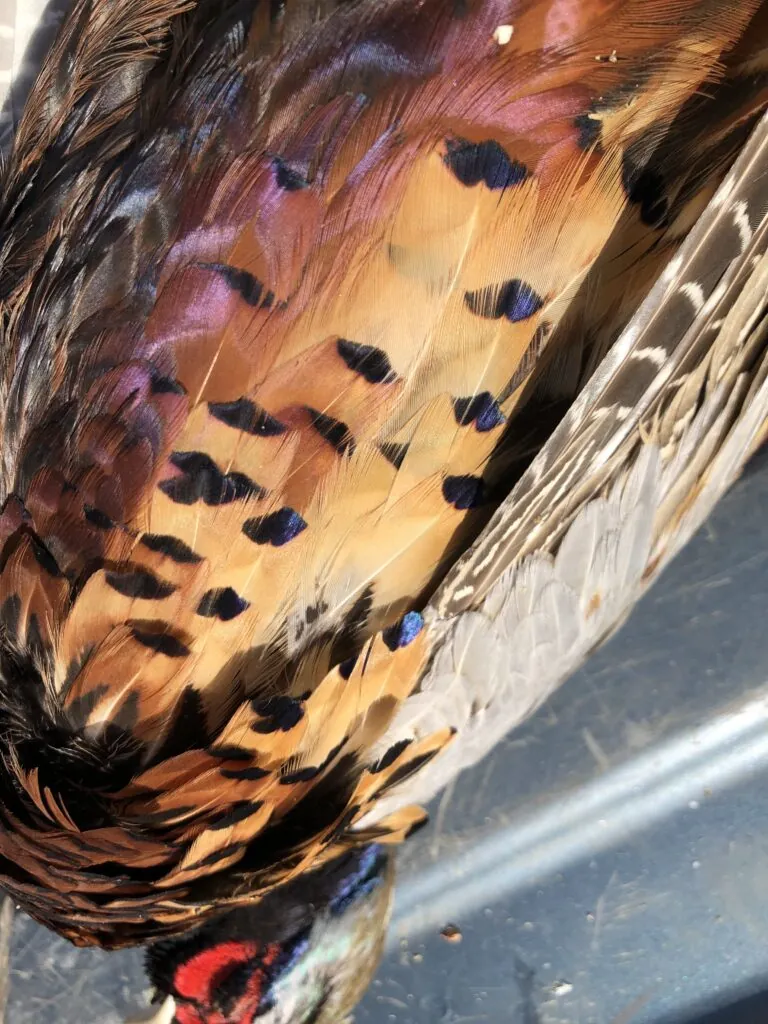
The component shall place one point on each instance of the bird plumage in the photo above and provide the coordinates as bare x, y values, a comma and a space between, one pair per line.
341, 413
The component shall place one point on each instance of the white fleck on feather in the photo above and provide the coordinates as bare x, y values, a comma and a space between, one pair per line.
741, 220
693, 291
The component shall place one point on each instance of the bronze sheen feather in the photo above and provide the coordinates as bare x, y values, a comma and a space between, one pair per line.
363, 362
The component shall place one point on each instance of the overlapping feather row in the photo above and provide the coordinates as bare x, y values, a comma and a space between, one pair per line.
290, 301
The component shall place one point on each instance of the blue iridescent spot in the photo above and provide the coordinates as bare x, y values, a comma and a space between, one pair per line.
520, 301
287, 177
295, 953
514, 299
362, 881
482, 410
403, 632
277, 528
463, 492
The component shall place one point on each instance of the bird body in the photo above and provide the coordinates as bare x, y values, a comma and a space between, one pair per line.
363, 362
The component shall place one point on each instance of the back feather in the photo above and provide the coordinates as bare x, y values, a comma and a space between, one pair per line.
540, 590
291, 296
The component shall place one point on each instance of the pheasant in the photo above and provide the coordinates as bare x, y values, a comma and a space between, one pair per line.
363, 362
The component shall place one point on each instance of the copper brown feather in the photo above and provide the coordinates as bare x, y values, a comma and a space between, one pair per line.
290, 296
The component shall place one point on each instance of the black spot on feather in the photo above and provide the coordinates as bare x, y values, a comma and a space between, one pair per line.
346, 637
288, 177
514, 299
313, 612
202, 479
74, 668
231, 752
404, 632
167, 386
140, 584
39, 650
390, 756
463, 492
97, 518
646, 188
250, 774
218, 856
417, 826
79, 709
163, 643
310, 772
394, 453
371, 363
590, 130
333, 431
239, 812
10, 614
347, 667
300, 775
248, 287
127, 714
171, 547
346, 820
158, 818
247, 416
482, 410
277, 713
189, 727
483, 162
43, 556
222, 603
405, 771
277, 528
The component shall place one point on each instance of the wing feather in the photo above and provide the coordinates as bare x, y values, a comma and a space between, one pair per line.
509, 624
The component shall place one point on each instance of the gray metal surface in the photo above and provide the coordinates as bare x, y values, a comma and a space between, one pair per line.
607, 864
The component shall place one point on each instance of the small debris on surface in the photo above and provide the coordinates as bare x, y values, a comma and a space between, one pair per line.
451, 933
562, 988
503, 33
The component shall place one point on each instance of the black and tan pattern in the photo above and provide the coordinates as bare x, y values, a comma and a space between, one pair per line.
310, 315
